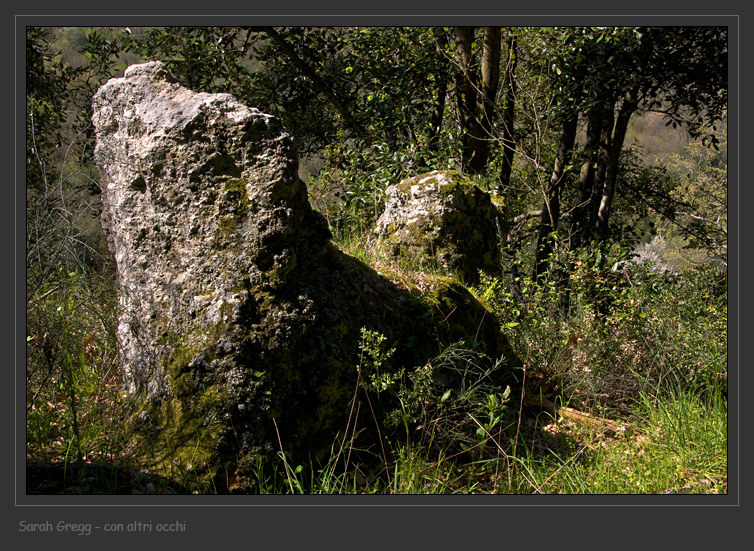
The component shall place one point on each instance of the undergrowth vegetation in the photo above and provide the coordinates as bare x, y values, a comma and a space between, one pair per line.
625, 397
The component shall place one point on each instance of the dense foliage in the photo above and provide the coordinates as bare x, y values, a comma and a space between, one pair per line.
615, 292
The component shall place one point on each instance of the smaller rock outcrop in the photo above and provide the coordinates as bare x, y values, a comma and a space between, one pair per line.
443, 216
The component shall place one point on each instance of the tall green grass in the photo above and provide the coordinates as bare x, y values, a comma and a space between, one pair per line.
655, 365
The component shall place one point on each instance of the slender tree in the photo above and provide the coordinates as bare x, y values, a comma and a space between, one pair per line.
487, 100
477, 94
508, 113
438, 107
551, 205
466, 92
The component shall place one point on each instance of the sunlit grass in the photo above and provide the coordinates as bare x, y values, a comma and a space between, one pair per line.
671, 438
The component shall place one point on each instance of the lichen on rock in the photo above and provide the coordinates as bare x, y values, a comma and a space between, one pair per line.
239, 321
444, 217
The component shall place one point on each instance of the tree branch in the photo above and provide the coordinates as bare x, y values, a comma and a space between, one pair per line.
318, 82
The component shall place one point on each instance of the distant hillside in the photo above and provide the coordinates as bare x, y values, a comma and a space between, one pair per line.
656, 140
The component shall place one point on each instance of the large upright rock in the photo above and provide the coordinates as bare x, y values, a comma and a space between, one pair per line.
238, 318
444, 217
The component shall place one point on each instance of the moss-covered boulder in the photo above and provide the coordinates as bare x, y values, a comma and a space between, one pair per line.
240, 322
442, 216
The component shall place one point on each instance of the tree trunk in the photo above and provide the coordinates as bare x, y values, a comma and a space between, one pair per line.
466, 92
509, 99
586, 183
589, 213
630, 102
485, 107
551, 206
439, 107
